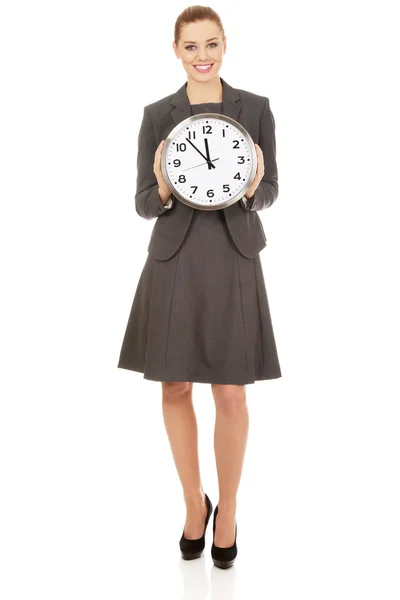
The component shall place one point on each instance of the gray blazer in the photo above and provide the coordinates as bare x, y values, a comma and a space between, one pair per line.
159, 118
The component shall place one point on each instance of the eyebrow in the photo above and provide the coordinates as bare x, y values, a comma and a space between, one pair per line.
213, 38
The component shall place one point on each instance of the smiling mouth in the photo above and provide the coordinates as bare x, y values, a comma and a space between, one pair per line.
203, 68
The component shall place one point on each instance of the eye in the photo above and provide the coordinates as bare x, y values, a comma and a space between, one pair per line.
192, 46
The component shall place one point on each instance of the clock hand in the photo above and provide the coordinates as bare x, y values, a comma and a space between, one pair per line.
208, 153
195, 166
208, 162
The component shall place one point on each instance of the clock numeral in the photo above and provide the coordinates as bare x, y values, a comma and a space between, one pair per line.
237, 176
191, 134
181, 178
236, 143
177, 162
241, 161
194, 188
208, 127
225, 187
210, 193
223, 133
181, 147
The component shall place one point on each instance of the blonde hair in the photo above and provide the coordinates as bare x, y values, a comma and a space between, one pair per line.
195, 13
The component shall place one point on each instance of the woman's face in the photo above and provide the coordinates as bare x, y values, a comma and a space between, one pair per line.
201, 43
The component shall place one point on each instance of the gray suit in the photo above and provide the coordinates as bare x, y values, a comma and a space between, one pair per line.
159, 118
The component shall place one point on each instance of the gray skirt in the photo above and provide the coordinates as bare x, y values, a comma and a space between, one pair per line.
202, 315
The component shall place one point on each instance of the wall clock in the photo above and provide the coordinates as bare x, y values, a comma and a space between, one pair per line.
208, 161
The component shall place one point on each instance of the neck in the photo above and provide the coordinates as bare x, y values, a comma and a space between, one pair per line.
209, 91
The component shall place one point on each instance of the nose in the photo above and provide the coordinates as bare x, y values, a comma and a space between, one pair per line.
202, 57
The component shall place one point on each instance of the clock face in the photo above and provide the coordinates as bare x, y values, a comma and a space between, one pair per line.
209, 161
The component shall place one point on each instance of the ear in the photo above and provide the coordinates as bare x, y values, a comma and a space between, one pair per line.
175, 48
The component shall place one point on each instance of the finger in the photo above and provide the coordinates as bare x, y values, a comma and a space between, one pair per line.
157, 157
159, 148
260, 163
261, 155
258, 158
258, 174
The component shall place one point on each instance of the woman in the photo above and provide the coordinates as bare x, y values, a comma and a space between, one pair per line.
200, 312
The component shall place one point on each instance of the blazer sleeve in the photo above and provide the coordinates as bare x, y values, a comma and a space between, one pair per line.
148, 203
268, 188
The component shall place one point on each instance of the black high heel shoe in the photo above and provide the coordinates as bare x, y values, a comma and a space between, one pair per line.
193, 548
223, 557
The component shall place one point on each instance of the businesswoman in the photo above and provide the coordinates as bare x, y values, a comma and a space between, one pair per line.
200, 311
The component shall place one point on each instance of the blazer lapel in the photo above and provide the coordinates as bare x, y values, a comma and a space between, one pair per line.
231, 103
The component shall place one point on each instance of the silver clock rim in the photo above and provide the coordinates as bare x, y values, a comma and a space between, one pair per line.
220, 117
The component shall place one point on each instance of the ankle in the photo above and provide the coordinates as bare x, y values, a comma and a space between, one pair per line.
226, 511
194, 499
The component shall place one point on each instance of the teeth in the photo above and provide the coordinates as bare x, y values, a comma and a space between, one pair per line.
202, 67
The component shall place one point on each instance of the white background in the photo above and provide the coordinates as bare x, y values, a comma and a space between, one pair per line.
89, 487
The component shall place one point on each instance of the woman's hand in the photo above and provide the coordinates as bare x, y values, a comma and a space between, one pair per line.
163, 189
259, 173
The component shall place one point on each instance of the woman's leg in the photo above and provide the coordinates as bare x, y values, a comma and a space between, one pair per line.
230, 440
181, 427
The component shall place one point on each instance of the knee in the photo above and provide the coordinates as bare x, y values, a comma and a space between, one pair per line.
229, 399
173, 390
